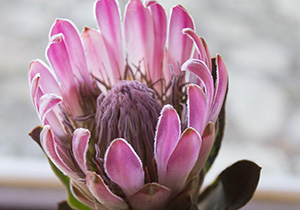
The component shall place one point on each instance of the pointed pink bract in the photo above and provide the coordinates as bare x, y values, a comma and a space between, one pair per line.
139, 36
221, 88
97, 56
50, 147
102, 193
200, 69
74, 49
180, 45
124, 167
109, 22
197, 108
166, 138
182, 160
80, 145
159, 18
151, 197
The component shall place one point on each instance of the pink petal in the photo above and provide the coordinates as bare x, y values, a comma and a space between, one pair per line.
102, 193
200, 69
74, 49
48, 83
149, 3
221, 88
36, 92
109, 22
182, 160
53, 118
59, 58
208, 62
96, 55
200, 47
166, 137
80, 145
47, 103
49, 112
124, 167
50, 147
159, 18
151, 197
82, 194
167, 69
139, 35
180, 46
207, 142
197, 108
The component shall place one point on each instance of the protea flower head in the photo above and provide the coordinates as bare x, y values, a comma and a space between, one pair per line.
130, 124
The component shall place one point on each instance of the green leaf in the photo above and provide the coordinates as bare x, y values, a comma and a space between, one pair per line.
72, 201
35, 135
233, 188
63, 206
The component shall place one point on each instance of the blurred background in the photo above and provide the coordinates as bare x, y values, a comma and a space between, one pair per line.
260, 43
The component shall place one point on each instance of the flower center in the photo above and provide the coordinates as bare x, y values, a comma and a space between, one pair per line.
130, 110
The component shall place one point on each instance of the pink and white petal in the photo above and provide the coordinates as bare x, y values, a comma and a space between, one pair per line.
48, 83
50, 148
208, 139
199, 45
36, 92
152, 196
124, 167
74, 49
82, 194
200, 69
180, 45
53, 118
102, 193
80, 145
167, 69
96, 54
182, 160
139, 35
149, 3
208, 62
159, 18
108, 17
221, 88
198, 109
59, 59
49, 112
47, 103
166, 137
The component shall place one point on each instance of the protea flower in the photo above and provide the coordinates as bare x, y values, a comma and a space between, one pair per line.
132, 127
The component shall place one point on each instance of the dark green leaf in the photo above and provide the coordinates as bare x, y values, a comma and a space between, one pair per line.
233, 188
35, 134
63, 206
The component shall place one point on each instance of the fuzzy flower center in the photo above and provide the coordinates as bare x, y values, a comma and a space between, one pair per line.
129, 110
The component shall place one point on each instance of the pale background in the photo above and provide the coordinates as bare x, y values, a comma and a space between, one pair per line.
258, 39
